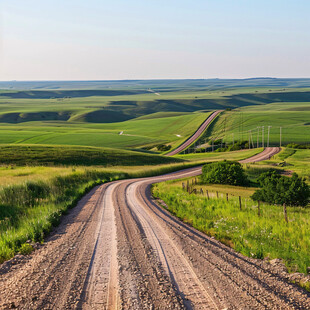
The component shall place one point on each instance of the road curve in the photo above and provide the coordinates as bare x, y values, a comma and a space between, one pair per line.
196, 135
119, 250
267, 153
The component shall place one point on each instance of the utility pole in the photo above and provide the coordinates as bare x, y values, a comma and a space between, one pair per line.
263, 136
280, 136
252, 139
249, 139
268, 135
257, 137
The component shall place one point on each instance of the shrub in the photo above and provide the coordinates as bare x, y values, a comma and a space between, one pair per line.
26, 249
163, 147
279, 189
224, 172
298, 146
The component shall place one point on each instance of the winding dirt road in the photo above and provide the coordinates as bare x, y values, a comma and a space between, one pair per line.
119, 250
196, 135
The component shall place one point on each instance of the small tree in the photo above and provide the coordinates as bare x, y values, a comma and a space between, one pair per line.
224, 172
279, 189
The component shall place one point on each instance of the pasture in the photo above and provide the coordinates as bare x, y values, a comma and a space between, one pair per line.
292, 117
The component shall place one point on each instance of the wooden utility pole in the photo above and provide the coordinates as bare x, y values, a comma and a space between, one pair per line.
285, 213
257, 137
263, 144
249, 139
252, 139
268, 135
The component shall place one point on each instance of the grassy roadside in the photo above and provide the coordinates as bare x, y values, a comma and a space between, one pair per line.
289, 160
267, 235
212, 156
30, 209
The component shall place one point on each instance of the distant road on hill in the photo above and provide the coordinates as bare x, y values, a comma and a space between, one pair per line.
196, 135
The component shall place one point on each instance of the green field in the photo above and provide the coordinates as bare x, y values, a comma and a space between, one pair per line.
135, 133
292, 117
149, 113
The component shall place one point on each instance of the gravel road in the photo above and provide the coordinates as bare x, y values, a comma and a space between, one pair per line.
195, 136
119, 250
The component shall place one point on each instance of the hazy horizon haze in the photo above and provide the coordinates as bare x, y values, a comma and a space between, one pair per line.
104, 40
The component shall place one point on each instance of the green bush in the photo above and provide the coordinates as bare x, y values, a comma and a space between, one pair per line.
224, 172
279, 189
26, 249
163, 147
298, 146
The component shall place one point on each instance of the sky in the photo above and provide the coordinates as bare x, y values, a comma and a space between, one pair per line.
153, 39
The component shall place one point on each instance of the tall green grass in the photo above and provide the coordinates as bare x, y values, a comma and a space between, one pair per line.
267, 235
29, 211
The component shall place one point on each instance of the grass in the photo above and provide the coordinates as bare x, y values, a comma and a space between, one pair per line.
211, 156
33, 199
74, 155
135, 133
93, 117
25, 215
292, 117
265, 236
290, 160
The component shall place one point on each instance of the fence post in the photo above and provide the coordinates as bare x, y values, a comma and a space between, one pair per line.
240, 206
217, 194
183, 185
192, 181
208, 194
201, 191
285, 213
187, 186
226, 196
258, 208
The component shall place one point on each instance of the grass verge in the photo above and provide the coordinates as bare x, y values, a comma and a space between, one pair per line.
30, 210
267, 235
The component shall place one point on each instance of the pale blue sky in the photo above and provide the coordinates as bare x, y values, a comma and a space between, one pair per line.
142, 39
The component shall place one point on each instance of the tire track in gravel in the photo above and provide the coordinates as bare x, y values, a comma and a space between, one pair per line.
101, 285
54, 276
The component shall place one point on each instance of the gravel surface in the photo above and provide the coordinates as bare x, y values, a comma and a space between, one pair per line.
118, 249
195, 136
